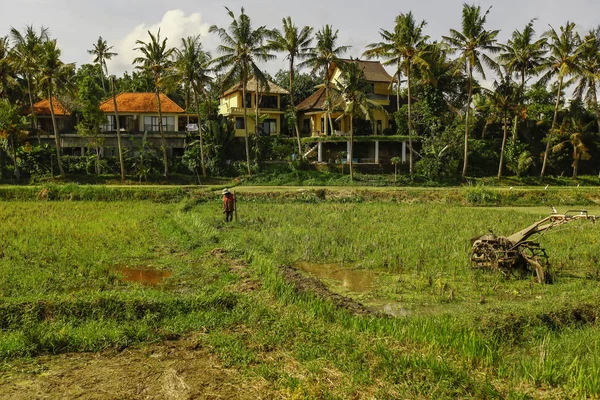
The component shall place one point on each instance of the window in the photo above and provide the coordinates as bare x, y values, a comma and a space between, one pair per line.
379, 130
322, 125
110, 124
306, 126
268, 102
239, 123
248, 102
151, 124
268, 127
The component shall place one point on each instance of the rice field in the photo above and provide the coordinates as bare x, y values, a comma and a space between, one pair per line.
435, 327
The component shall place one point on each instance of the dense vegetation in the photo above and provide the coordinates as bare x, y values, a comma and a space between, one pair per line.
526, 124
462, 333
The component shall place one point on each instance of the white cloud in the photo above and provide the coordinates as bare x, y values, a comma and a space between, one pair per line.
175, 25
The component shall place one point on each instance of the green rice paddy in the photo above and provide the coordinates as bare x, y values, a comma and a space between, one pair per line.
458, 333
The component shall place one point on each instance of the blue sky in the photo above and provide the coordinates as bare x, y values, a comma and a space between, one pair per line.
78, 23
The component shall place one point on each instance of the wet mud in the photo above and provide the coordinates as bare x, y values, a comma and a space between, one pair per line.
144, 276
355, 280
308, 284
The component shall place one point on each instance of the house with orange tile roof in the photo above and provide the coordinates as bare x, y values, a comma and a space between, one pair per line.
138, 113
64, 122
232, 105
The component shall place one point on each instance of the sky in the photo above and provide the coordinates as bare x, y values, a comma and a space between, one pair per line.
77, 24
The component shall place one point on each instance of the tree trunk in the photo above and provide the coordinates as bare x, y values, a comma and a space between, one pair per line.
410, 148
503, 145
33, 115
325, 128
244, 81
466, 155
595, 95
351, 148
200, 133
256, 112
300, 155
56, 134
102, 78
560, 83
163, 140
119, 143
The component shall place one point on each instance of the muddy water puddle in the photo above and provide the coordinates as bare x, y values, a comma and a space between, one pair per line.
144, 276
355, 280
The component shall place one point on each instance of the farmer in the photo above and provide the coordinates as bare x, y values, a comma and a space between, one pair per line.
228, 205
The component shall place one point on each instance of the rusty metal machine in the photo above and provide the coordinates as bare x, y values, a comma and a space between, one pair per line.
516, 254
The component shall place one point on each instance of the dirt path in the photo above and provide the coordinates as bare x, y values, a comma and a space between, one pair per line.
174, 370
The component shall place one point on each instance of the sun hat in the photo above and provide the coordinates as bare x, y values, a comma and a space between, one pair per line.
225, 191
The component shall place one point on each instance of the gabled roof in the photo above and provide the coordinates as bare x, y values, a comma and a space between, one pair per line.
251, 88
374, 71
140, 103
315, 101
42, 107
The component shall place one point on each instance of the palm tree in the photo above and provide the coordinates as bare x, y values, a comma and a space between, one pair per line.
471, 42
296, 44
352, 90
241, 48
102, 52
322, 57
156, 59
590, 71
52, 74
575, 132
407, 51
563, 61
503, 99
6, 70
192, 69
27, 51
522, 55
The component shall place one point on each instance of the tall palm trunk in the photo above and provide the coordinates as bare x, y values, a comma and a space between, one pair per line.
244, 81
102, 79
119, 143
505, 120
410, 147
163, 140
200, 132
595, 95
256, 111
56, 134
560, 83
398, 74
33, 115
300, 156
350, 153
466, 155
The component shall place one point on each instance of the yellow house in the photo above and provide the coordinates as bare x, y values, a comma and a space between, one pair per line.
312, 109
269, 107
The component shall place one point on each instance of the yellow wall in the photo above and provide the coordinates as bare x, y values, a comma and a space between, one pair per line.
251, 124
234, 100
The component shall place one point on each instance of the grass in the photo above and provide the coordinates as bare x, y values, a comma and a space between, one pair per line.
468, 334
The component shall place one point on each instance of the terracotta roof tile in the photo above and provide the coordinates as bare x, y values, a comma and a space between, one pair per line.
140, 103
251, 88
42, 107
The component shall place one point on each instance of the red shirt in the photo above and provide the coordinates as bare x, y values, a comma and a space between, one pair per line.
228, 202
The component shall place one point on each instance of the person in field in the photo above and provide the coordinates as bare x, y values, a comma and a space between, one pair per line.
228, 205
